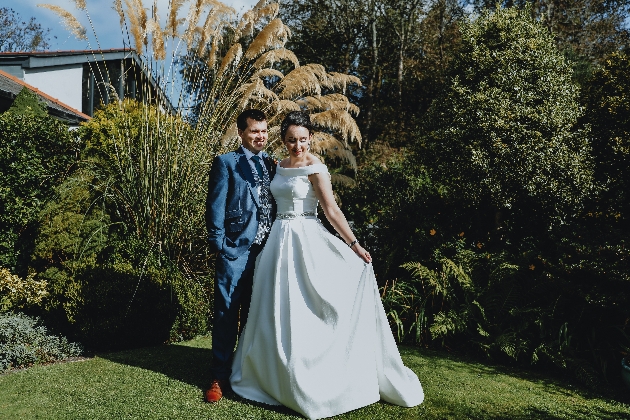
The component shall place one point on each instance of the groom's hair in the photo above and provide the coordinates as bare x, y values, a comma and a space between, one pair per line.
299, 118
254, 114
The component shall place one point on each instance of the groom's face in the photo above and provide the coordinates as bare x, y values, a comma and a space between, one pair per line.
254, 137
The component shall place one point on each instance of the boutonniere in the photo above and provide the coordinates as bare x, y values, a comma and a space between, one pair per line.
274, 160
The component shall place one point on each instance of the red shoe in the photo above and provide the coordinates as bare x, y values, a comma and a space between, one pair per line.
218, 387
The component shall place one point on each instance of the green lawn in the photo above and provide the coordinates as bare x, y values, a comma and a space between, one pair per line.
167, 383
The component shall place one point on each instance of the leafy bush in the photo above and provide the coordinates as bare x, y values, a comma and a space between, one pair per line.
28, 103
122, 244
25, 342
35, 154
113, 291
16, 293
384, 207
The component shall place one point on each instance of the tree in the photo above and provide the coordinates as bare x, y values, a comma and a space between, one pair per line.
18, 35
503, 133
585, 28
607, 98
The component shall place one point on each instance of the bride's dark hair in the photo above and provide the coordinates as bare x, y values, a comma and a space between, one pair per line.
299, 118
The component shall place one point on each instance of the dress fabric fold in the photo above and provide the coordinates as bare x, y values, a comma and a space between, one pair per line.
317, 338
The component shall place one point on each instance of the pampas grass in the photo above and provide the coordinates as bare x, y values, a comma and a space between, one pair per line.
209, 65
69, 21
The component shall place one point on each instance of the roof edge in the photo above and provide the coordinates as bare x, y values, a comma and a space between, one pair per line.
45, 95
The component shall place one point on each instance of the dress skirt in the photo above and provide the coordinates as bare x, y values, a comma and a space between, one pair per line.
317, 339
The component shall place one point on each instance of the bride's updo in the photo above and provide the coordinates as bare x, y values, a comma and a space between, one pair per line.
299, 118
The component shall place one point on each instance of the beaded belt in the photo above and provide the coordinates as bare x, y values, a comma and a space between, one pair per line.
293, 215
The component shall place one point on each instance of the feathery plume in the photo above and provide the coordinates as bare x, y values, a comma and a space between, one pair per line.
212, 56
172, 23
304, 80
340, 121
232, 57
206, 32
340, 80
323, 141
312, 103
338, 101
251, 17
157, 35
69, 21
274, 35
268, 73
256, 92
231, 134
191, 21
119, 9
80, 4
135, 24
284, 105
273, 56
142, 18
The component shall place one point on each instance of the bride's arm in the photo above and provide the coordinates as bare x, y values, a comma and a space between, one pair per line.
323, 191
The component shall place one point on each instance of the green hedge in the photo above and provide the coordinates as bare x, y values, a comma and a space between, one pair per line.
35, 154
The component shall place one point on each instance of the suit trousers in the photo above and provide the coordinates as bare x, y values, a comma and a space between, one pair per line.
232, 297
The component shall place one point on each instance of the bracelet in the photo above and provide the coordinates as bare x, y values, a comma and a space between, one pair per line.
353, 243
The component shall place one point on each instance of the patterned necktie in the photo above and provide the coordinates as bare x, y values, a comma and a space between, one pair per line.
258, 166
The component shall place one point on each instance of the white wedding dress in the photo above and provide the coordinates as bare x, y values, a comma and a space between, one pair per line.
317, 338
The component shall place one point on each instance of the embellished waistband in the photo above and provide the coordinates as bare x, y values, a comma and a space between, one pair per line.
294, 215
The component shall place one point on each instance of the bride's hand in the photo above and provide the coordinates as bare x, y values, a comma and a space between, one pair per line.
362, 253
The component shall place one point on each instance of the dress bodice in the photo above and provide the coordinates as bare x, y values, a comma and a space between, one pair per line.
293, 191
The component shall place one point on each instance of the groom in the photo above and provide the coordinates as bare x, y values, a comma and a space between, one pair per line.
239, 214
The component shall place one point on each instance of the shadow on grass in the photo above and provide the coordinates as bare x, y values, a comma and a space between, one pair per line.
190, 365
541, 395
456, 386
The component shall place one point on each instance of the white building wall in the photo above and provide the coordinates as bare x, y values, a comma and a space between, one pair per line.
62, 82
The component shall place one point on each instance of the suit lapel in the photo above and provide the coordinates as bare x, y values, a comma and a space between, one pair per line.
246, 171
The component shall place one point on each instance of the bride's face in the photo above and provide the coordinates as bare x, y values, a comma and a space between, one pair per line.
297, 140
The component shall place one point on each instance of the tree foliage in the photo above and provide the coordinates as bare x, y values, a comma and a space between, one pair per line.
607, 98
19, 35
504, 129
586, 29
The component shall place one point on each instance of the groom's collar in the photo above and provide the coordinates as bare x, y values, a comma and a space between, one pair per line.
249, 154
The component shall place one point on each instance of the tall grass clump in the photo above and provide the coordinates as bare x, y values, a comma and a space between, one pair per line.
136, 202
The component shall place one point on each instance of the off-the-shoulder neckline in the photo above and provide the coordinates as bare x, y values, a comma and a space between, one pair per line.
301, 167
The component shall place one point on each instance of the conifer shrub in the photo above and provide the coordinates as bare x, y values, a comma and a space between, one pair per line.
28, 103
24, 342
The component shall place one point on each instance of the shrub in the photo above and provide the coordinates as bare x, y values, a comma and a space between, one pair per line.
35, 154
16, 293
108, 288
25, 342
28, 103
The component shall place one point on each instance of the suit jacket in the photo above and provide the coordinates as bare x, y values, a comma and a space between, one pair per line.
232, 206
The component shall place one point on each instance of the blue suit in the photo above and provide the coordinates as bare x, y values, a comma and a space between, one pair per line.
232, 217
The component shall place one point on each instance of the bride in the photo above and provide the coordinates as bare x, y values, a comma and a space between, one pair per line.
317, 338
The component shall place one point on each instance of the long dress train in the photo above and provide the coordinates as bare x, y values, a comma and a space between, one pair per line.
317, 338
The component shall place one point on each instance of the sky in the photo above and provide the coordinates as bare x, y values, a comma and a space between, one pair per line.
104, 18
